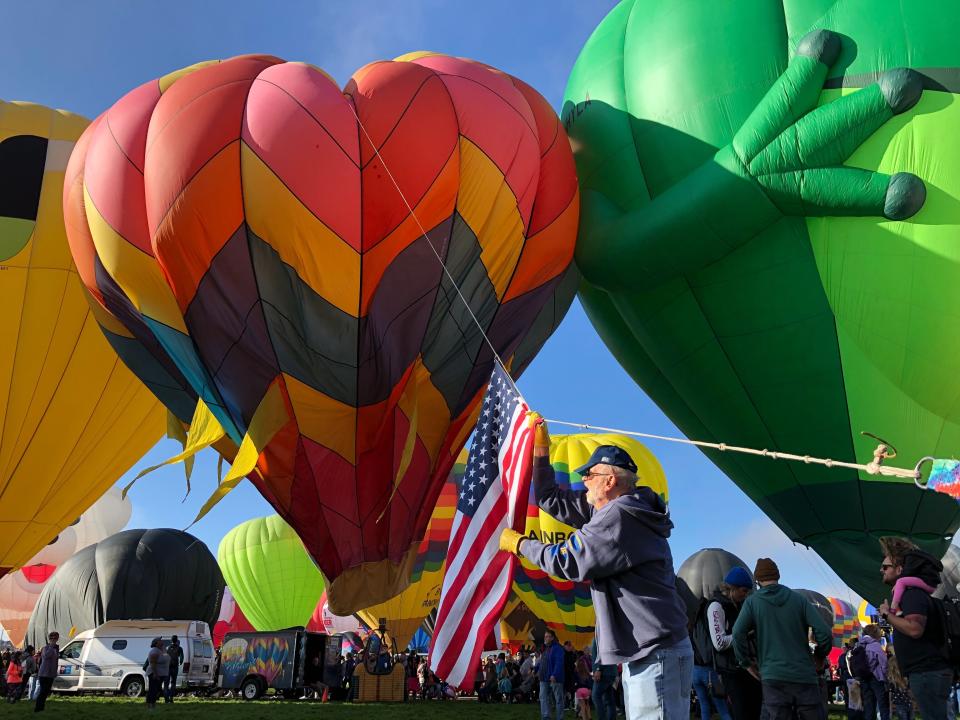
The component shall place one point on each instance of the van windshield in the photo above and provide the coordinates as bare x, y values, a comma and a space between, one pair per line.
73, 650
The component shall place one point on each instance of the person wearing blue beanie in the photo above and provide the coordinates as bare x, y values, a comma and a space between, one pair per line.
739, 577
715, 664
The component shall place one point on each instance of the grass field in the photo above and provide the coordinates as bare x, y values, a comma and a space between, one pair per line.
94, 708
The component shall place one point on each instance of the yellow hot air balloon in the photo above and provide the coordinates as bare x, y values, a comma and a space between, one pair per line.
72, 417
566, 607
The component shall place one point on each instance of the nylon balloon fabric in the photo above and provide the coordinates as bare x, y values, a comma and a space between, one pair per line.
161, 574
241, 222
272, 578
769, 216
408, 610
73, 419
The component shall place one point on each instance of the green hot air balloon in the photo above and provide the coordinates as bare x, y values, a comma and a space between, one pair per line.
759, 252
270, 574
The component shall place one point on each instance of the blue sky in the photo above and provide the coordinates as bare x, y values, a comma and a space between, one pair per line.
84, 56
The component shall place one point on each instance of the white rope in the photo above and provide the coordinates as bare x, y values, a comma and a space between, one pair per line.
423, 234
872, 468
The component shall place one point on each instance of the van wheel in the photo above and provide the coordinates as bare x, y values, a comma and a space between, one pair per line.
132, 686
251, 689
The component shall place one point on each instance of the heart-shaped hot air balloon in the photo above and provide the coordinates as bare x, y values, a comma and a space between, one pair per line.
274, 244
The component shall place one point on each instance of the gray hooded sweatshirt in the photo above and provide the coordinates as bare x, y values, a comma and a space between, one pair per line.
622, 550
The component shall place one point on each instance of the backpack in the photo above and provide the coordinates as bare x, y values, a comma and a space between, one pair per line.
700, 636
947, 611
858, 664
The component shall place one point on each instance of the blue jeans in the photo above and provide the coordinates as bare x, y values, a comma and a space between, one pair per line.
875, 697
658, 687
931, 689
703, 678
605, 698
551, 693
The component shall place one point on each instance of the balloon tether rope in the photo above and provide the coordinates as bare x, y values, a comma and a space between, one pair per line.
876, 467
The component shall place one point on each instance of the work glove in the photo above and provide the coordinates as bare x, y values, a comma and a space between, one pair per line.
510, 541
541, 438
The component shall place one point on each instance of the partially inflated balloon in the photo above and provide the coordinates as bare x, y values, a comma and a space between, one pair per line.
20, 589
701, 575
753, 264
161, 574
323, 620
272, 578
72, 417
566, 606
271, 243
406, 612
821, 603
846, 622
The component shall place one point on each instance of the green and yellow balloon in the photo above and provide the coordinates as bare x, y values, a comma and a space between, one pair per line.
271, 576
769, 243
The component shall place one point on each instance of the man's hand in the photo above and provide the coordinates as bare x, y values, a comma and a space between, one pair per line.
596, 676
510, 541
541, 438
553, 680
754, 671
884, 608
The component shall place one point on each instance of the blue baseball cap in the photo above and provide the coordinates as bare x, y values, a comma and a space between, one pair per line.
738, 577
609, 455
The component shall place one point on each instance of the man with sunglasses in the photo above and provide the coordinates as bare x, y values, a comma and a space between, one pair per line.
620, 546
918, 635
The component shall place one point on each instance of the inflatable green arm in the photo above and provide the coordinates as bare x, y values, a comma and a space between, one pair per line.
785, 160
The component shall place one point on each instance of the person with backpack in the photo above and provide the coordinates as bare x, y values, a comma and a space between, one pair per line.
845, 674
782, 620
868, 665
176, 660
919, 635
713, 656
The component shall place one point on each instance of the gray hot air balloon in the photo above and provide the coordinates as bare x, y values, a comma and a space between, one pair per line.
136, 574
702, 573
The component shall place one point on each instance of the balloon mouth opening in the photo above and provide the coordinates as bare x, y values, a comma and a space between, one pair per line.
39, 573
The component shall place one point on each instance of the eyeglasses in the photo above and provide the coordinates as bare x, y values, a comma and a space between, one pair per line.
590, 474
884, 566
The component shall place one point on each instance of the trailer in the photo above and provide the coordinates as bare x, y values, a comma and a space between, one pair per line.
289, 661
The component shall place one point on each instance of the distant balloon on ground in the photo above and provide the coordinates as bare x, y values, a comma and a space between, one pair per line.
701, 575
271, 576
162, 574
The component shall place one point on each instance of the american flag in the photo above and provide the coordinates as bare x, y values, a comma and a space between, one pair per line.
492, 496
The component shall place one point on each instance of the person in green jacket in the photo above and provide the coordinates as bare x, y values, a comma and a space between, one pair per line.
782, 620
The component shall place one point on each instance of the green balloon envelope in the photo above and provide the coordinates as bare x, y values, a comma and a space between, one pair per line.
806, 332
270, 574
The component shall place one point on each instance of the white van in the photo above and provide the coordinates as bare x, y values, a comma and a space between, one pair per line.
110, 658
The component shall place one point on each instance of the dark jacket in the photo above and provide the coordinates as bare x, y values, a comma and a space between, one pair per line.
781, 618
622, 550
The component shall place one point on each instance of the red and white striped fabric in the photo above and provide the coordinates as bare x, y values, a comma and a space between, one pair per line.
492, 496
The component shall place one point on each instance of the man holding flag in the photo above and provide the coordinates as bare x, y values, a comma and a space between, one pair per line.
621, 547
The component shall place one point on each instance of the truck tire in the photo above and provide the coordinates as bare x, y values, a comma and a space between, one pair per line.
133, 686
251, 688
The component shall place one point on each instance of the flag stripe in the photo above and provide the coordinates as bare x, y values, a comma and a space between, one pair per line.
492, 496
